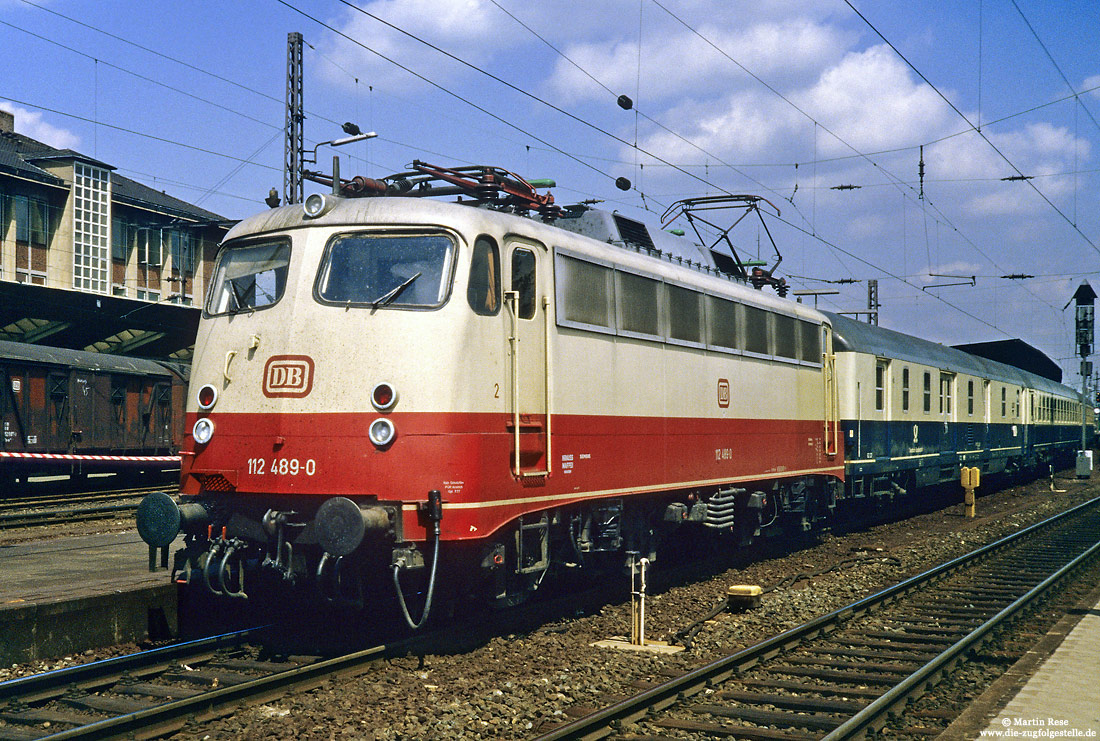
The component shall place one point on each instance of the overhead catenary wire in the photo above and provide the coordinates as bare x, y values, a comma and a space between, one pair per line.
976, 130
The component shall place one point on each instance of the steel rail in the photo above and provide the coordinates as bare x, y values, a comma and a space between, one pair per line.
599, 724
168, 715
38, 685
71, 514
872, 715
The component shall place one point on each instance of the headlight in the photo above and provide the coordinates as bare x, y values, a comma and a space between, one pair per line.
316, 205
381, 432
207, 397
383, 397
203, 431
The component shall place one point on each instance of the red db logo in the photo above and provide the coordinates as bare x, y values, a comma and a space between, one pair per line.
288, 376
723, 393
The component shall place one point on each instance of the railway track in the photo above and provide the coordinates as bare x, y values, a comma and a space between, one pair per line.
156, 692
842, 675
41, 509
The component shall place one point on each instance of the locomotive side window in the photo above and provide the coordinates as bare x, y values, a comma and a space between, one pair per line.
523, 281
639, 307
810, 347
684, 314
756, 330
483, 291
390, 270
249, 277
585, 292
784, 336
723, 323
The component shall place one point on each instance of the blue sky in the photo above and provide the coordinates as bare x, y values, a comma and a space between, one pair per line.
741, 97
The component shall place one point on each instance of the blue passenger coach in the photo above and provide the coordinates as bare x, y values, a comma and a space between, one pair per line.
914, 412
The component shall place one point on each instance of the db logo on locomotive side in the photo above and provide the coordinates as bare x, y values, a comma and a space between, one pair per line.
288, 376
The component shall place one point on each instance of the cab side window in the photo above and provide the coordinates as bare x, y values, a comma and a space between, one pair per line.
483, 290
523, 281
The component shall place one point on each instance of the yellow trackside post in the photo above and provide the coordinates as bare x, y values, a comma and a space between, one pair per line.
970, 478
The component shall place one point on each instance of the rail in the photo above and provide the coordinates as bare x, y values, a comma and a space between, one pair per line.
603, 722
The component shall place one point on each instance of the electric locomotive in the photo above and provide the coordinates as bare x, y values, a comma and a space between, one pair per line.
391, 392
398, 389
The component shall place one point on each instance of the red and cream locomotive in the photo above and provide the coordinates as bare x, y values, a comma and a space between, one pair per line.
391, 388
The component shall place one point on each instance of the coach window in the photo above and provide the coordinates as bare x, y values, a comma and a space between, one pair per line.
970, 398
905, 389
523, 281
927, 393
880, 386
1004, 401
946, 403
483, 291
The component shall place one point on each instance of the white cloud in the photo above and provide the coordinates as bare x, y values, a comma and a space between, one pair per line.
30, 123
470, 29
683, 64
871, 101
1092, 84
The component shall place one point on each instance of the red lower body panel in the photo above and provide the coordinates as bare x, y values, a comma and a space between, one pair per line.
470, 458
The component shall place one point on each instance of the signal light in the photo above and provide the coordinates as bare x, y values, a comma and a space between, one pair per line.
207, 397
383, 397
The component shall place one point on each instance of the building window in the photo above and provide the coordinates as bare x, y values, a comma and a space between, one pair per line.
91, 227
183, 254
149, 247
120, 240
32, 223
905, 389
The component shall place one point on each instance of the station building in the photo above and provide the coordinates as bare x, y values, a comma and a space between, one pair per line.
92, 260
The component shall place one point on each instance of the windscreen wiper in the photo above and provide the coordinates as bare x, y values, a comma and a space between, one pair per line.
393, 293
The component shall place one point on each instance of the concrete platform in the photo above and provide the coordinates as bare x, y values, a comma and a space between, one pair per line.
70, 594
1062, 698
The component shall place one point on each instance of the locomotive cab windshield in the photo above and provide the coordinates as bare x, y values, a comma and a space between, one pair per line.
386, 270
249, 277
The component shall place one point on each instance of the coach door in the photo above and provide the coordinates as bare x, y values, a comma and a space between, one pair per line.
527, 301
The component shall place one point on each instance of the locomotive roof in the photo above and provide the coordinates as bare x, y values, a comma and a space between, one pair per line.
601, 225
855, 336
90, 361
